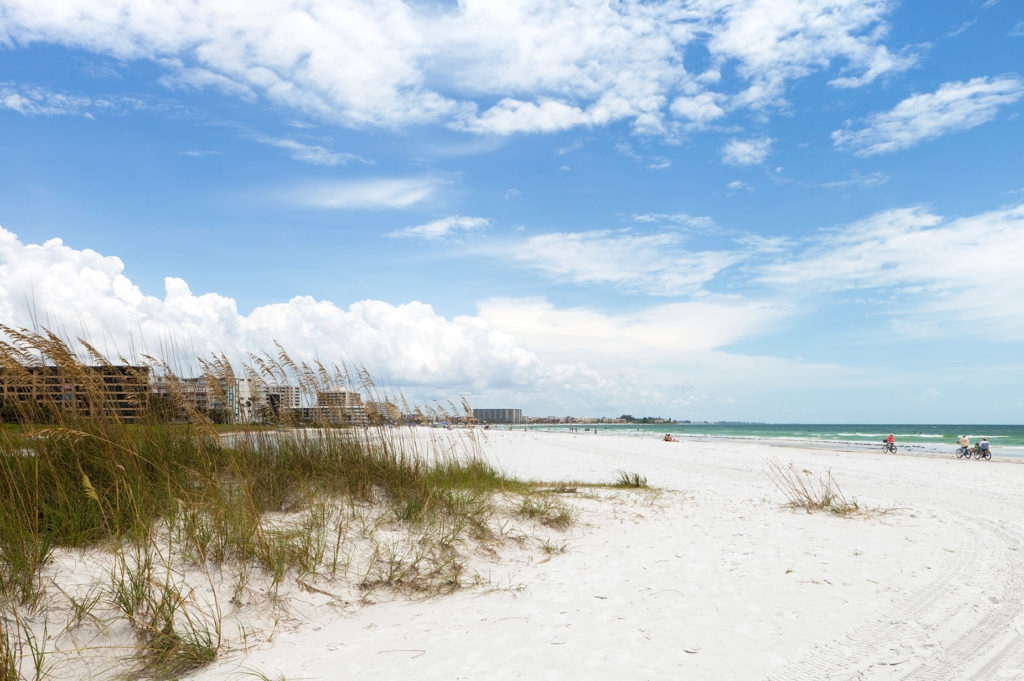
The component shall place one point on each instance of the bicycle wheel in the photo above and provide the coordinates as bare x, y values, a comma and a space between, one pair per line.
977, 454
987, 455
960, 453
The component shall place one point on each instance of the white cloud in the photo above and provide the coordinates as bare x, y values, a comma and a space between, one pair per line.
652, 162
361, 194
700, 109
441, 228
392, 63
653, 334
941, 276
740, 185
526, 351
858, 180
1017, 30
653, 264
779, 40
42, 102
747, 152
954, 106
199, 153
961, 28
700, 221
84, 292
310, 153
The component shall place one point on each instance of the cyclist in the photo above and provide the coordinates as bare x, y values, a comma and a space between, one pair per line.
891, 439
965, 442
983, 445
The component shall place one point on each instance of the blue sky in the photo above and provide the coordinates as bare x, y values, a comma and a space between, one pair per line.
777, 210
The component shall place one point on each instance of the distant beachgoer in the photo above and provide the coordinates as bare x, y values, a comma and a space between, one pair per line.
668, 438
983, 445
965, 442
891, 439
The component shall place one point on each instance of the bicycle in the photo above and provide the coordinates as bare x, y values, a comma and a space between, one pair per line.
983, 454
964, 453
888, 447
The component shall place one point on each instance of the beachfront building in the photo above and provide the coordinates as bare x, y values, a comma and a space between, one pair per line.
239, 400
498, 415
284, 397
186, 393
38, 393
336, 408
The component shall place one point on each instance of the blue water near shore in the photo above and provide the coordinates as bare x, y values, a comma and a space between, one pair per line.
1006, 440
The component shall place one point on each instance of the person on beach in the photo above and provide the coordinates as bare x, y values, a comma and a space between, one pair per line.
983, 445
891, 439
965, 442
668, 438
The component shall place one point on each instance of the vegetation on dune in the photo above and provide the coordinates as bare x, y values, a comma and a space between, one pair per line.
170, 503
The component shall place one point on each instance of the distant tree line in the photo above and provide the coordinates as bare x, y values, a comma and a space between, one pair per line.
629, 418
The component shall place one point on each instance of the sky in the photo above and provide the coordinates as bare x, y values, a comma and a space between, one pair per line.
745, 210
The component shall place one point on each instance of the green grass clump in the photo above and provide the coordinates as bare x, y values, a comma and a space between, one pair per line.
630, 480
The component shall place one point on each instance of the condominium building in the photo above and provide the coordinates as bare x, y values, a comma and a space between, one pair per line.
337, 408
498, 415
112, 391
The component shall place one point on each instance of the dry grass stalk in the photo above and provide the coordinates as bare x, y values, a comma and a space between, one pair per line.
803, 490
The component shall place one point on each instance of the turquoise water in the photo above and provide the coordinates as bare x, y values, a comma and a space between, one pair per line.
1005, 439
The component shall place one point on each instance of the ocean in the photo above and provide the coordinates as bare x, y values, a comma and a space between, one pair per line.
1006, 440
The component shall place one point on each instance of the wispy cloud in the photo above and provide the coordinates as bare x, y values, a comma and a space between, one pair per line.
441, 228
652, 162
310, 153
954, 106
199, 153
701, 221
740, 185
858, 180
654, 264
40, 101
747, 152
373, 193
961, 28
937, 275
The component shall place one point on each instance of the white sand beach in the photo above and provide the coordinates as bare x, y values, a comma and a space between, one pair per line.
705, 576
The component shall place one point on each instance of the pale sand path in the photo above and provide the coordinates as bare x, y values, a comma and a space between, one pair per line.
715, 566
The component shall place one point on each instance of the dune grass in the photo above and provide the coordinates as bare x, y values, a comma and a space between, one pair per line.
165, 499
802, 489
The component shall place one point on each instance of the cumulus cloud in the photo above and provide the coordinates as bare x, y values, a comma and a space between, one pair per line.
940, 275
700, 109
441, 228
84, 292
394, 63
525, 351
737, 152
654, 264
954, 106
365, 194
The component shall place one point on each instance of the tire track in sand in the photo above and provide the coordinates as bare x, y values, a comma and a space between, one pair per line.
863, 646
